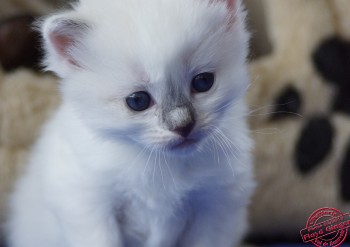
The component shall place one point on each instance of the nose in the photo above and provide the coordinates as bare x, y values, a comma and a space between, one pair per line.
180, 119
185, 130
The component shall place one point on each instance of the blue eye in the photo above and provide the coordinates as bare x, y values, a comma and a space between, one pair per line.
203, 82
139, 101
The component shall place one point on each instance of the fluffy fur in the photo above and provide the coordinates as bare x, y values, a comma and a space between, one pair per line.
103, 175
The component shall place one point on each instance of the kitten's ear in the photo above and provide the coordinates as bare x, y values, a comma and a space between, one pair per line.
63, 39
232, 5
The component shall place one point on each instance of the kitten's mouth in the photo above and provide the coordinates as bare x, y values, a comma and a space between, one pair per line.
186, 143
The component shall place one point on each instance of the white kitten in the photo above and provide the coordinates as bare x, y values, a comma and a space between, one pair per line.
150, 146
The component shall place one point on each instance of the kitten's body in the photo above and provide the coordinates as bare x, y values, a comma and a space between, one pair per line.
104, 176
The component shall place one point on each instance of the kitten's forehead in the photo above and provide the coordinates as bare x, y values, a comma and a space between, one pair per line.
153, 31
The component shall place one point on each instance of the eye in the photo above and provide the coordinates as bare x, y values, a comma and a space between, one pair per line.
139, 101
203, 82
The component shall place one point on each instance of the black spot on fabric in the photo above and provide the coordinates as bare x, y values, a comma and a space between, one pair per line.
342, 100
287, 103
19, 43
332, 61
314, 144
345, 175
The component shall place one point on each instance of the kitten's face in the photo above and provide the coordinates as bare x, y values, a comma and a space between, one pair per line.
161, 76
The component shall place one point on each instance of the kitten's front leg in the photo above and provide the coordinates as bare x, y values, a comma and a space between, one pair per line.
216, 222
165, 231
87, 220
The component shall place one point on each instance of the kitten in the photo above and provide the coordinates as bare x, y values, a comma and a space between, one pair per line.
150, 146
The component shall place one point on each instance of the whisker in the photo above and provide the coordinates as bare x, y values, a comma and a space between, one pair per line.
148, 159
161, 170
268, 106
269, 131
250, 115
154, 167
133, 163
170, 172
275, 112
221, 145
216, 151
225, 137
255, 112
229, 144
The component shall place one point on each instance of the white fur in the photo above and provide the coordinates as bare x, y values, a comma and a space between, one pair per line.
100, 174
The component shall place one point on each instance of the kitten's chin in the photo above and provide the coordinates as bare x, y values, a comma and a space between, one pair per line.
187, 143
184, 147
190, 145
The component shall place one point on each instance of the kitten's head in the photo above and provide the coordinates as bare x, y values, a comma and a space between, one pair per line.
158, 73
